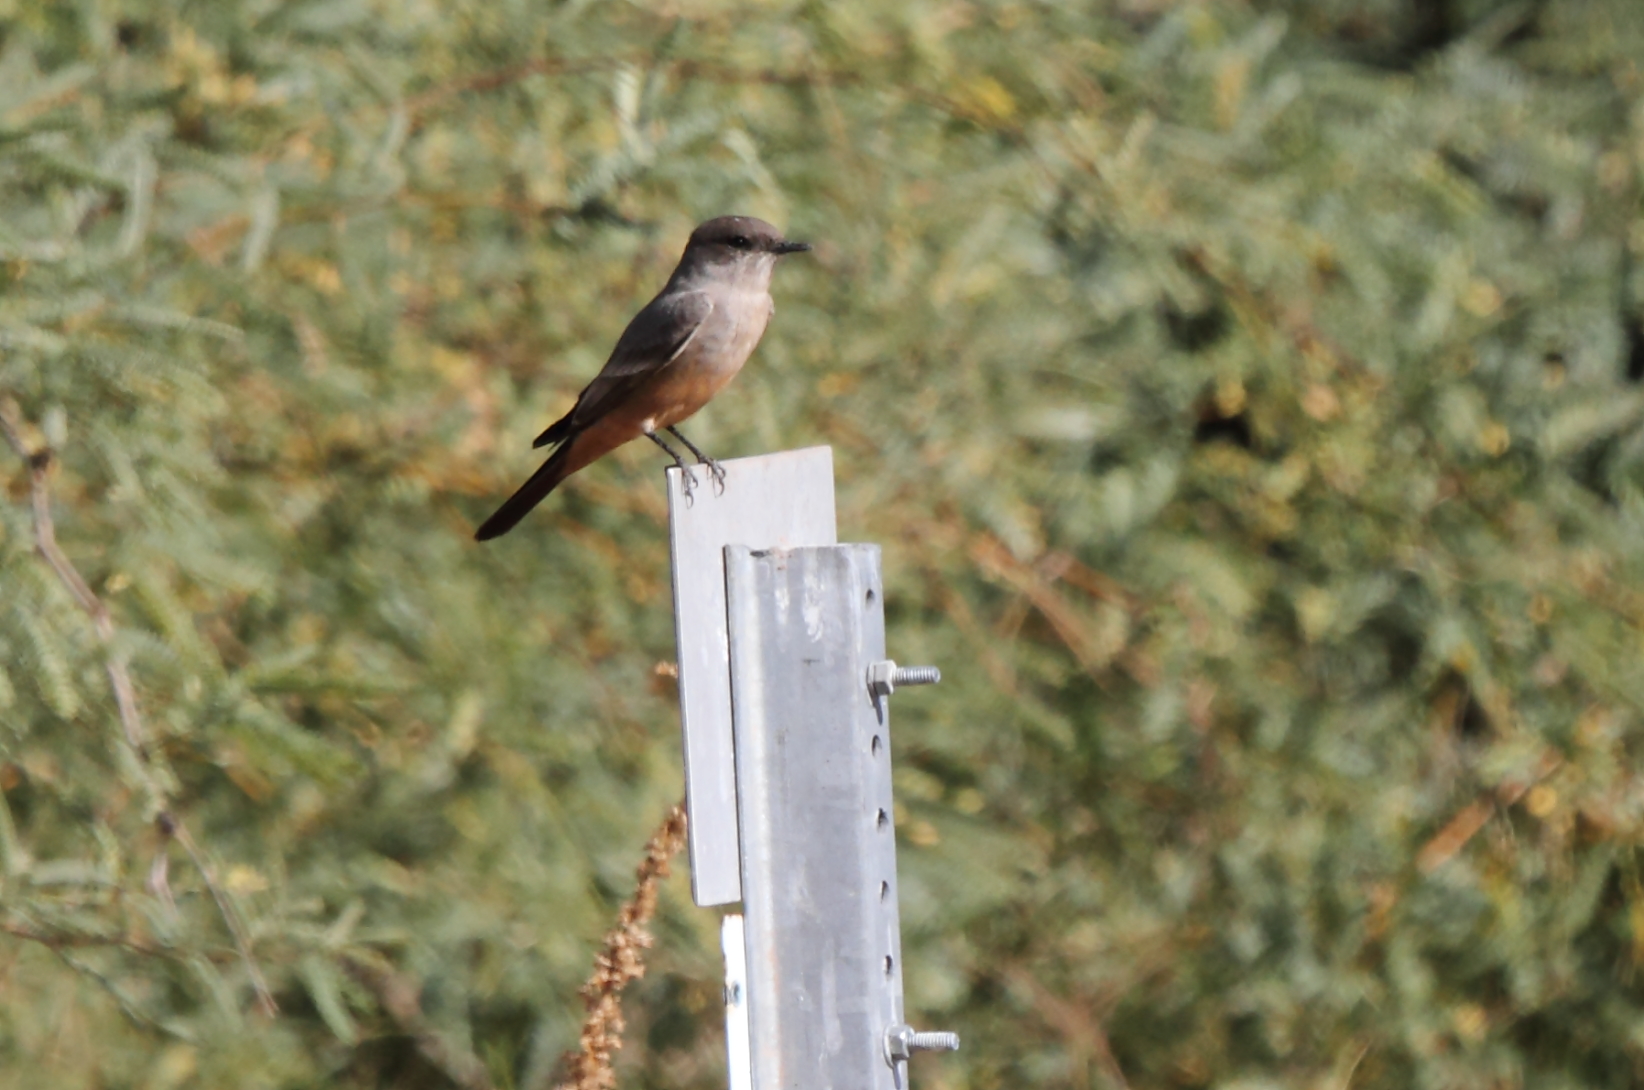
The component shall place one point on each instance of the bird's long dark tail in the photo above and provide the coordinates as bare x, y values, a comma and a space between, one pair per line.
515, 507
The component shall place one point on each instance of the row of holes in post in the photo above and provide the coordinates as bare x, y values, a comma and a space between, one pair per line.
883, 823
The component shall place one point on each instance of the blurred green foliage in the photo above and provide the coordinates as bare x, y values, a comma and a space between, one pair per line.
1249, 397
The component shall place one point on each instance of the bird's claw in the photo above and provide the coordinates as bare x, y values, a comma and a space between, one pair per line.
687, 484
717, 472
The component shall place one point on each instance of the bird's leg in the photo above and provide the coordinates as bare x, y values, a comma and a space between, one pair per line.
715, 470
687, 478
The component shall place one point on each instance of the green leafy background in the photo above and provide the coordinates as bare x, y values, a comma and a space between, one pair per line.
1248, 397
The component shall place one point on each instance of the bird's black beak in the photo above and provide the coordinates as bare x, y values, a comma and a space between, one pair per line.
787, 247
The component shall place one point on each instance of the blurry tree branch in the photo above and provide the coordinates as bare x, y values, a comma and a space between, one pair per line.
1080, 1026
1450, 840
45, 542
421, 104
39, 462
1036, 583
65, 940
401, 1000
130, 1010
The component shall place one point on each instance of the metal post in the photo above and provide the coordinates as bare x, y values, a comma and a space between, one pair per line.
782, 499
738, 1048
812, 737
784, 690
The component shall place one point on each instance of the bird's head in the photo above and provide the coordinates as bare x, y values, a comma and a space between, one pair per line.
738, 242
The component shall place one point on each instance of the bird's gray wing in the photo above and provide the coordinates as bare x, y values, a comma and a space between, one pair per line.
654, 339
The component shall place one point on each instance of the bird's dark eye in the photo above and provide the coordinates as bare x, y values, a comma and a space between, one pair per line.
740, 242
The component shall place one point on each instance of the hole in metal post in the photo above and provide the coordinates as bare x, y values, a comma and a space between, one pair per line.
883, 819
884, 891
870, 596
890, 965
877, 745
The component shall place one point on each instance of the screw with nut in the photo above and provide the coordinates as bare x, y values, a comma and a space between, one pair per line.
902, 1041
885, 676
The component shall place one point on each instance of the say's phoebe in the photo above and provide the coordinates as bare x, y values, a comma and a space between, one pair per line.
674, 356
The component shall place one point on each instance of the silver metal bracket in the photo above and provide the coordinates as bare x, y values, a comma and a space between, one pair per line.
781, 500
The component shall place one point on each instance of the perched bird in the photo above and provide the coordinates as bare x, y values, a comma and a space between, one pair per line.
676, 354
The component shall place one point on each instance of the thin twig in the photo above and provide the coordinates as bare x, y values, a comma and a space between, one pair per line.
1083, 1028
45, 542
683, 68
501, 77
127, 1008
1448, 842
68, 940
231, 917
401, 1000
620, 960
125, 693
565, 66
1038, 587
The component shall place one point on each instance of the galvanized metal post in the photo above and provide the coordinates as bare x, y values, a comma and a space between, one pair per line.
812, 733
783, 696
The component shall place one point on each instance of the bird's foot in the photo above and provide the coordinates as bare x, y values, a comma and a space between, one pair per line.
717, 472
687, 479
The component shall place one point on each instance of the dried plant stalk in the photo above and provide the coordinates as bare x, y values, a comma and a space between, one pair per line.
620, 960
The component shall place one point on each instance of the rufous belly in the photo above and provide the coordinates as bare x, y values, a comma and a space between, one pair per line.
678, 389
